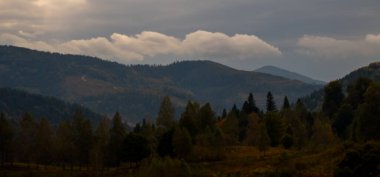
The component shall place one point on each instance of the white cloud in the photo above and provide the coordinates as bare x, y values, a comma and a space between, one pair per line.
124, 48
327, 47
219, 45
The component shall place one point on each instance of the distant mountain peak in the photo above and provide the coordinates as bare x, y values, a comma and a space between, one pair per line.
288, 74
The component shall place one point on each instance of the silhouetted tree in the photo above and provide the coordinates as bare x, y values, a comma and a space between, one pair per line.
286, 104
117, 134
271, 106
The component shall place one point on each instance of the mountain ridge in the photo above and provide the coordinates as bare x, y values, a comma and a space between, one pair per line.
273, 70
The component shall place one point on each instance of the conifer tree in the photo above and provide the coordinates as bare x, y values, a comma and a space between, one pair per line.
271, 106
286, 104
117, 134
44, 142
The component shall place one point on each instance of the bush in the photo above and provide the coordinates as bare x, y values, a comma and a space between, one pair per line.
361, 161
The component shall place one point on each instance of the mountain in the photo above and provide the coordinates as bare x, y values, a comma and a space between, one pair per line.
315, 99
136, 91
288, 74
14, 103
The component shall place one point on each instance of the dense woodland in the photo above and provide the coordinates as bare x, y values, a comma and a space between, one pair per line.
344, 131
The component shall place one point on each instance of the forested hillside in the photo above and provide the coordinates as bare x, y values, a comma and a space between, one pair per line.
15, 103
135, 91
372, 71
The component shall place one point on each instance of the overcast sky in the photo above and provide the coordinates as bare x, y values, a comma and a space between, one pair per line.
323, 39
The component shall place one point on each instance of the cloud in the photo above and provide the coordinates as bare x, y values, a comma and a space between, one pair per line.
219, 45
375, 39
124, 48
327, 47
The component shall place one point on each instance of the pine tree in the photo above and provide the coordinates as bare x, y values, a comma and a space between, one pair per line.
286, 104
44, 142
252, 104
271, 106
117, 134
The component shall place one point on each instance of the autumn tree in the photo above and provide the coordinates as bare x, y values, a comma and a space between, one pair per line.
182, 143
165, 117
263, 138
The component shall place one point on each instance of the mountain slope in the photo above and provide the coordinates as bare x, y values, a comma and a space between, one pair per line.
14, 103
288, 74
136, 91
372, 71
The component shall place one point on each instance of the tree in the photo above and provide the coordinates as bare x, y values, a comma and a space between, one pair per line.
135, 148
117, 134
288, 139
165, 117
357, 90
367, 120
165, 144
333, 98
44, 142
286, 104
342, 120
323, 134
182, 143
206, 117
189, 118
64, 144
82, 135
230, 128
252, 129
363, 160
275, 127
252, 104
271, 105
26, 139
263, 138
6, 138
99, 149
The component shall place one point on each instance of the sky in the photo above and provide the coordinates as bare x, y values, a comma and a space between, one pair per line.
323, 39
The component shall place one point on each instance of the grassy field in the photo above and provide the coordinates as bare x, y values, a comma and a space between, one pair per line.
238, 161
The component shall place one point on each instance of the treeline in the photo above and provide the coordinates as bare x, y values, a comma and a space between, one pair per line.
199, 134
